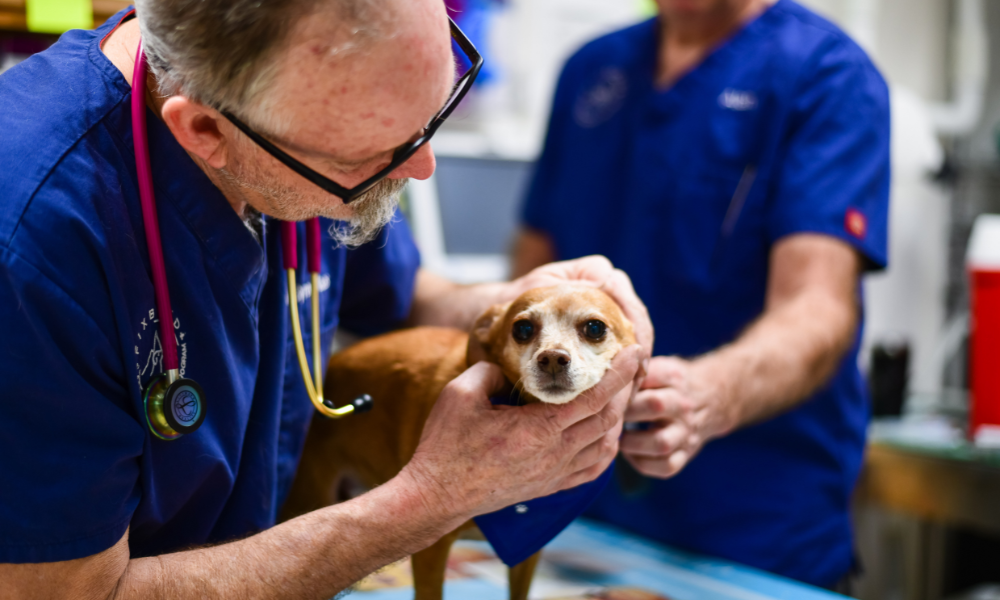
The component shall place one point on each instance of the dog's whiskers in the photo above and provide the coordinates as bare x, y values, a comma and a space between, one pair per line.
513, 391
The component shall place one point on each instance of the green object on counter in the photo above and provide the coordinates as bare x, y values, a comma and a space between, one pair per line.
647, 8
58, 16
899, 434
967, 453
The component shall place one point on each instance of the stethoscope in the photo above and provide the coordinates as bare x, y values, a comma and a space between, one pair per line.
175, 406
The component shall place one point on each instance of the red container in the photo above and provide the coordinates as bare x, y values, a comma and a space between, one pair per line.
983, 263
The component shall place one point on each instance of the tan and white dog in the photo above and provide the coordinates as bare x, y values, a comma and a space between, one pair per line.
551, 343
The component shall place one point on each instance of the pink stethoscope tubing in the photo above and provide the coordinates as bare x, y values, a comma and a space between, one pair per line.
151, 223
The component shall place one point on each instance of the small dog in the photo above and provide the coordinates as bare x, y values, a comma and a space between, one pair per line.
551, 343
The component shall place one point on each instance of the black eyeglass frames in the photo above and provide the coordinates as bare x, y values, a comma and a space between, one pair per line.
402, 154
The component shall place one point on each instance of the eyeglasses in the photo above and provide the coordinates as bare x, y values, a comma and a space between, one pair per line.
401, 154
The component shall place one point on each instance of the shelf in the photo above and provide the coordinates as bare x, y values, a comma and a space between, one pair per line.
934, 486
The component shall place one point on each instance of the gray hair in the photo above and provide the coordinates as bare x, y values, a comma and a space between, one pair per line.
223, 53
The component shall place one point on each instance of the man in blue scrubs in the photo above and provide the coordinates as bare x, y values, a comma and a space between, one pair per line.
92, 504
732, 156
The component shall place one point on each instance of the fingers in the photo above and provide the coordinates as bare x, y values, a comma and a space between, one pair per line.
619, 287
606, 446
658, 405
481, 380
589, 270
605, 424
665, 371
594, 269
661, 452
587, 474
659, 442
660, 468
618, 377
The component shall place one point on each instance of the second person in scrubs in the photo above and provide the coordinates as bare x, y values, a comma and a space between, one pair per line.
732, 156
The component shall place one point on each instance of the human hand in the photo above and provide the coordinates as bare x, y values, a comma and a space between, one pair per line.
476, 458
684, 406
599, 272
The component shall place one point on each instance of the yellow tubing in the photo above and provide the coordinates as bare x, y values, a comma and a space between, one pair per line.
300, 349
317, 345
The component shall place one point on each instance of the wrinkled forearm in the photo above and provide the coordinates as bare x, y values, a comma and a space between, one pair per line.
316, 555
781, 359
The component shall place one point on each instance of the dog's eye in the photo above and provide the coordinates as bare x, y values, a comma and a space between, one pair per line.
594, 329
523, 330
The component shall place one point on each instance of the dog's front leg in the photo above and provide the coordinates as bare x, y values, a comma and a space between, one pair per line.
520, 576
429, 567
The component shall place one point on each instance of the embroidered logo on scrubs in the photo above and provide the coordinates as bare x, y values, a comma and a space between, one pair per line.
148, 345
856, 223
304, 291
602, 100
737, 99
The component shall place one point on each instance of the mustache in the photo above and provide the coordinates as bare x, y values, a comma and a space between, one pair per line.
372, 211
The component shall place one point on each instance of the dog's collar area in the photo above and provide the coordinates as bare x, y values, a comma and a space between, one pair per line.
510, 396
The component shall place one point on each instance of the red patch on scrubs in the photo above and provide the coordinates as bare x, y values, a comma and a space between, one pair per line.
856, 223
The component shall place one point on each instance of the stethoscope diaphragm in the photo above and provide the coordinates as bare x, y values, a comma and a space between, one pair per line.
173, 409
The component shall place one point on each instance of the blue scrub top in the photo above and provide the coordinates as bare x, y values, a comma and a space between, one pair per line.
784, 129
79, 332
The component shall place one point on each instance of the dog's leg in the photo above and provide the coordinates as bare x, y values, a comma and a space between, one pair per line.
429, 568
520, 577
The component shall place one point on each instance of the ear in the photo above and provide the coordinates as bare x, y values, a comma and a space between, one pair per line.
628, 332
196, 128
481, 337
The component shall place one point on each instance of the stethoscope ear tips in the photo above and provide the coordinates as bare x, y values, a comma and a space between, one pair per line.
363, 403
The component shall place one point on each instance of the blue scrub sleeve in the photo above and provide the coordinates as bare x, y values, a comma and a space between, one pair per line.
834, 177
379, 281
69, 470
537, 212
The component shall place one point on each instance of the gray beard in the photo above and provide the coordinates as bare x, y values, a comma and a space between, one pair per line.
254, 223
372, 210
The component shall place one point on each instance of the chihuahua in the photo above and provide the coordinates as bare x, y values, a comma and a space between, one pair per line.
551, 343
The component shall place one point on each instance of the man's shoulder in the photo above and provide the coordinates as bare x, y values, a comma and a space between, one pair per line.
60, 111
810, 43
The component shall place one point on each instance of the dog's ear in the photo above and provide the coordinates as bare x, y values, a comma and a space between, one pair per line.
481, 337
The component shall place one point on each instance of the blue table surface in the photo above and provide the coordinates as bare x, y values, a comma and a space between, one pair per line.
592, 560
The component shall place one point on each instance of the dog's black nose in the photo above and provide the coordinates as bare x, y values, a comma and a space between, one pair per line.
553, 361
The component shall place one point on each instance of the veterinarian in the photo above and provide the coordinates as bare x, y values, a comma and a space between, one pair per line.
732, 156
92, 503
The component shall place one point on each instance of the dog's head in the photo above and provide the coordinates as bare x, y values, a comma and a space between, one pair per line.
552, 343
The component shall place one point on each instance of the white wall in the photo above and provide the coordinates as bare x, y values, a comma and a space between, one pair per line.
908, 40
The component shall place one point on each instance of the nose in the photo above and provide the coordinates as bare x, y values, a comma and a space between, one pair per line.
420, 166
554, 361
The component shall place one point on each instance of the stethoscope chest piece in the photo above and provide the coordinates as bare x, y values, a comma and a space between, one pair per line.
173, 409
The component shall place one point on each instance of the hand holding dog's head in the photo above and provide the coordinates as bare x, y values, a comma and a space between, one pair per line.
553, 343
